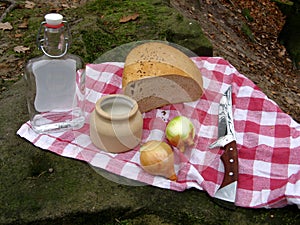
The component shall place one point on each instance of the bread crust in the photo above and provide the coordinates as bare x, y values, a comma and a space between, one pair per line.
147, 69
158, 60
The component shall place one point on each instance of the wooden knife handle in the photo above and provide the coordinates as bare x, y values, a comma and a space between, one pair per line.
230, 161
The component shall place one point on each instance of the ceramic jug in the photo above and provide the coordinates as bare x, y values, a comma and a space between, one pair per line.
116, 123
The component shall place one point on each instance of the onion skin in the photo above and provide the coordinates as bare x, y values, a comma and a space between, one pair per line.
180, 133
157, 158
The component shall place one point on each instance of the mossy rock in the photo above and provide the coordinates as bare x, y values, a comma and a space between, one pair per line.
39, 187
155, 21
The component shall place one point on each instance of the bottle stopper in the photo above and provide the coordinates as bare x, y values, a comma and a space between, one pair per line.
53, 19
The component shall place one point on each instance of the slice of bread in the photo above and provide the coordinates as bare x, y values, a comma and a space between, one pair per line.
156, 74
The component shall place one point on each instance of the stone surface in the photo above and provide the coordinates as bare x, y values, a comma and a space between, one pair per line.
39, 187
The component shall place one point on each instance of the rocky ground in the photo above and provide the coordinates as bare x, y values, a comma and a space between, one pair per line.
246, 34
41, 188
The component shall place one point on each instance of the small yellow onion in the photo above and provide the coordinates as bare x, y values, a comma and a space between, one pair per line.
180, 132
157, 158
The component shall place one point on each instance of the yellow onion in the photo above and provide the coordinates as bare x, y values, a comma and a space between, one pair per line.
180, 132
157, 158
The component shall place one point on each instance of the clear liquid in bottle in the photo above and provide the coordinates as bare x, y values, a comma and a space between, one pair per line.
55, 81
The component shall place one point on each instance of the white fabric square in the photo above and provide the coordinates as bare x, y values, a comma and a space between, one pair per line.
294, 142
105, 77
93, 96
293, 169
161, 182
206, 82
239, 137
207, 131
229, 70
100, 160
256, 197
136, 158
193, 174
92, 73
71, 151
45, 142
209, 66
213, 109
240, 114
26, 131
129, 170
261, 168
83, 140
293, 190
266, 140
244, 92
156, 134
260, 196
268, 118
197, 157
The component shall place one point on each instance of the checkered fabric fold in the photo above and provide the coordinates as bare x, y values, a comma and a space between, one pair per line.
268, 140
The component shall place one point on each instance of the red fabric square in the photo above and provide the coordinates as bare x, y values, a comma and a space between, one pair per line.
281, 156
256, 104
252, 127
282, 130
245, 181
210, 174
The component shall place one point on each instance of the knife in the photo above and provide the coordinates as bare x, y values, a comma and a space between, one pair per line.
226, 140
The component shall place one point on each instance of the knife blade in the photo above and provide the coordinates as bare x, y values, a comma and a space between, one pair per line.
227, 141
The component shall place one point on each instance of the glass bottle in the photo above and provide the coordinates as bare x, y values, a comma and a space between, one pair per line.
55, 81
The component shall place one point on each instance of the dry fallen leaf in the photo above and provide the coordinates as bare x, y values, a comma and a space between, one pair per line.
18, 35
6, 26
29, 5
289, 100
21, 49
126, 19
66, 6
24, 24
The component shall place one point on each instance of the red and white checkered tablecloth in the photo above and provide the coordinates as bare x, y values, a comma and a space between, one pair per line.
268, 140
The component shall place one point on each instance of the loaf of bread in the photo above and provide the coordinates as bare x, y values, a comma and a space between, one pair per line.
156, 74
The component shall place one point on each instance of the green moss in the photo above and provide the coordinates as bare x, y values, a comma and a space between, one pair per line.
96, 27
246, 14
73, 193
108, 32
248, 32
286, 2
